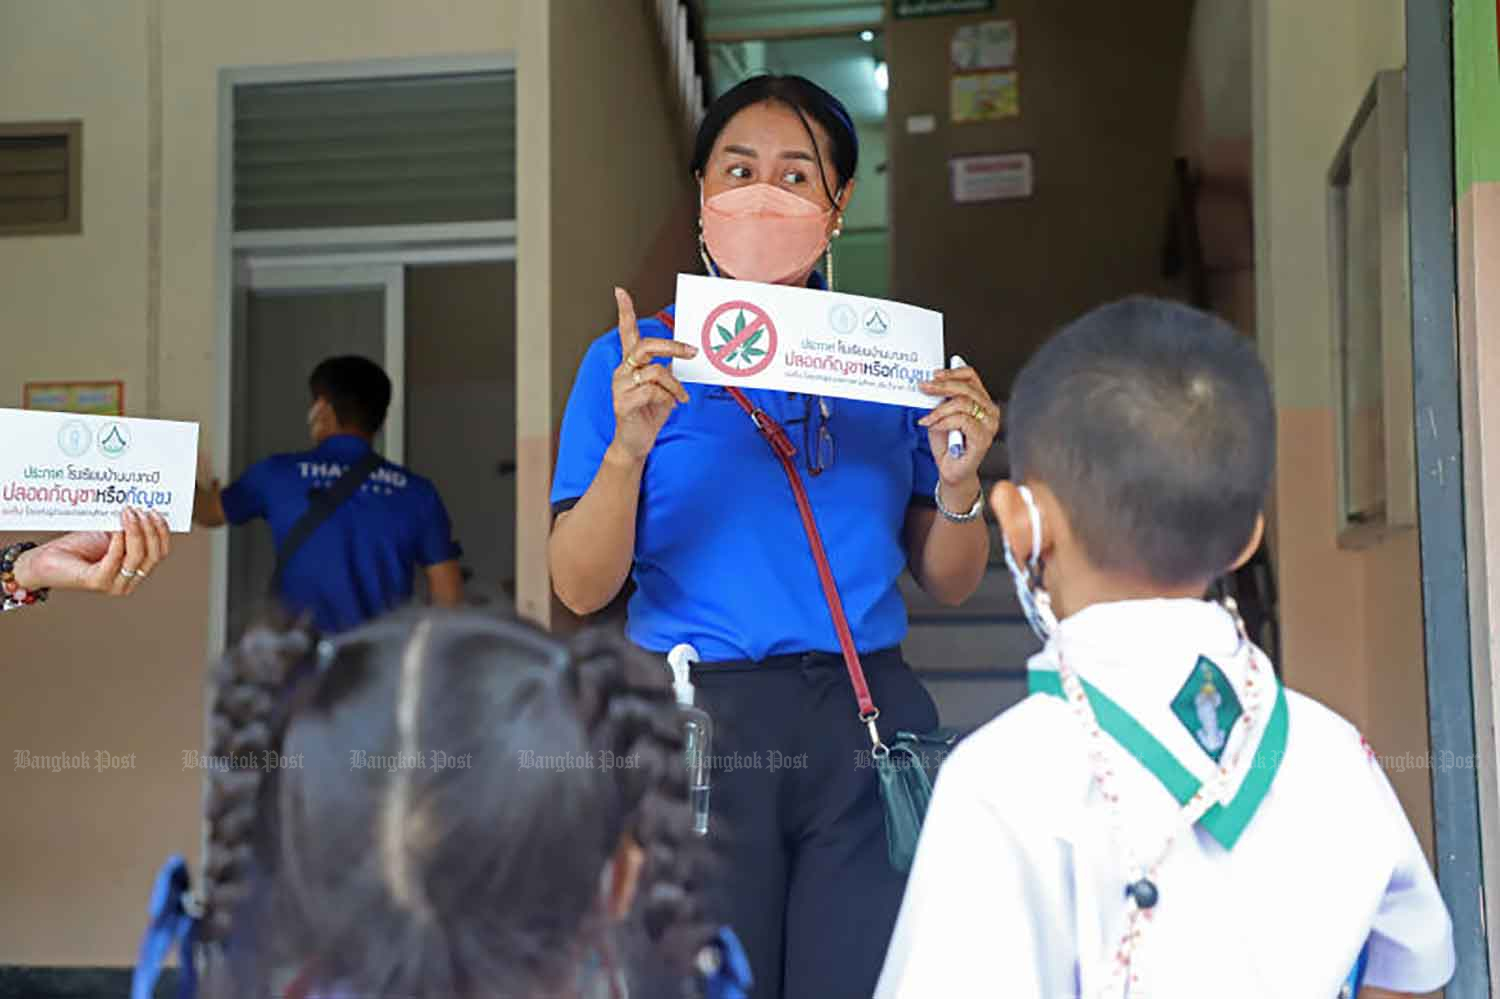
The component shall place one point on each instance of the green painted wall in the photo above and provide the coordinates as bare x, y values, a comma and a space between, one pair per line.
1476, 88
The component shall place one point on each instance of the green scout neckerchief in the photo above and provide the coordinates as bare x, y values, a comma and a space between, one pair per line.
1224, 822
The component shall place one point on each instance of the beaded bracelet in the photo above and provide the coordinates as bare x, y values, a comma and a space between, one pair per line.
12, 595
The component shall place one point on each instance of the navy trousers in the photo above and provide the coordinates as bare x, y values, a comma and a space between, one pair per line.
803, 876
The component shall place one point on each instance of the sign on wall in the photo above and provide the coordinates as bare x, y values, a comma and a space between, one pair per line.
998, 177
985, 96
991, 45
931, 8
97, 398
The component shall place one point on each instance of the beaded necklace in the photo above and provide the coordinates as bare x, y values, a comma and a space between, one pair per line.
1141, 893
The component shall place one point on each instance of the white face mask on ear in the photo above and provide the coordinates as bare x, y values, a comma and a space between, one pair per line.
1036, 603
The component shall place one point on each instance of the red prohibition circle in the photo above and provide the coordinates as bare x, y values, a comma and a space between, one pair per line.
758, 319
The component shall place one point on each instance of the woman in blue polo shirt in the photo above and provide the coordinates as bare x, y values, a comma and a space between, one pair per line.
672, 486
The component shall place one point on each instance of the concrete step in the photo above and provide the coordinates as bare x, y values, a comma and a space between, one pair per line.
996, 595
970, 702
983, 644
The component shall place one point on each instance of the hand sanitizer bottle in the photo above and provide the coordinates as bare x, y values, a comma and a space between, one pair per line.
699, 733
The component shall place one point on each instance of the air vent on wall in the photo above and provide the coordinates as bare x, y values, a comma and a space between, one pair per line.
41, 170
375, 152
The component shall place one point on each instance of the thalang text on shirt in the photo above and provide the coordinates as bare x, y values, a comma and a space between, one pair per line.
805, 340
78, 472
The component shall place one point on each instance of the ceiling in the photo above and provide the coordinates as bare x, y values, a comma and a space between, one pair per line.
844, 65
740, 19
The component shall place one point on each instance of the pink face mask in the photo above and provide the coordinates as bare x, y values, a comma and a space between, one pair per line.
765, 233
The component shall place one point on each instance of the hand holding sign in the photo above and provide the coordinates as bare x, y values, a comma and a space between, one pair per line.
645, 393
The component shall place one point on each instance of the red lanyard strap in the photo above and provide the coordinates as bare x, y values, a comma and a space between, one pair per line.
782, 446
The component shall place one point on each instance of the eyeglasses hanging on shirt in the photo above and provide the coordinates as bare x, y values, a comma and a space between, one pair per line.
817, 435
817, 429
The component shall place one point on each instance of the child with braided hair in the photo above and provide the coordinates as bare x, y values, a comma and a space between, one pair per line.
446, 804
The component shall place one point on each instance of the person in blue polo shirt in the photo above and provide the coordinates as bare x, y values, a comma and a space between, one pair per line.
672, 487
362, 560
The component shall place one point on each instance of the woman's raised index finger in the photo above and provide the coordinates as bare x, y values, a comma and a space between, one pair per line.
629, 334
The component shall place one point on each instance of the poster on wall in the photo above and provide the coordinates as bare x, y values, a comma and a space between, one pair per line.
932, 8
991, 45
96, 398
994, 177
985, 96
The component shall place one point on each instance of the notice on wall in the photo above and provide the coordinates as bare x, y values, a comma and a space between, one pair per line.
985, 96
78, 472
767, 336
991, 45
97, 398
1000, 177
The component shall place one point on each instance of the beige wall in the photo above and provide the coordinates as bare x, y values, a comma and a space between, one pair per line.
84, 675
622, 207
1351, 620
1099, 83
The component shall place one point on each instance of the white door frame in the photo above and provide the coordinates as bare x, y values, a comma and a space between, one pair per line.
237, 253
283, 274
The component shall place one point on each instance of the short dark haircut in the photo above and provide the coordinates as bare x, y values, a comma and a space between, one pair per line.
1152, 424
356, 388
804, 97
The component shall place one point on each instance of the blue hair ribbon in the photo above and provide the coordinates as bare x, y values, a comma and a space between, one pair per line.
732, 978
172, 924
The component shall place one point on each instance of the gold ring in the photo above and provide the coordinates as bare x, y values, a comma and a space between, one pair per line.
635, 376
979, 412
634, 364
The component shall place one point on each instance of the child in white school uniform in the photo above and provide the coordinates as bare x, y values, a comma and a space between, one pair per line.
1159, 818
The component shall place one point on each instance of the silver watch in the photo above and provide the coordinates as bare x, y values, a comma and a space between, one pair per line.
958, 518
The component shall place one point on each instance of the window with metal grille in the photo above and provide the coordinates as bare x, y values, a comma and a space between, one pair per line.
41, 178
375, 152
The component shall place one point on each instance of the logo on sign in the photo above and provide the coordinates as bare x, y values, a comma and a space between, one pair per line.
877, 322
74, 438
843, 319
114, 441
739, 339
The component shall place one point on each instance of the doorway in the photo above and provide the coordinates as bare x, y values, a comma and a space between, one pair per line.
291, 319
369, 209
444, 333
461, 410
